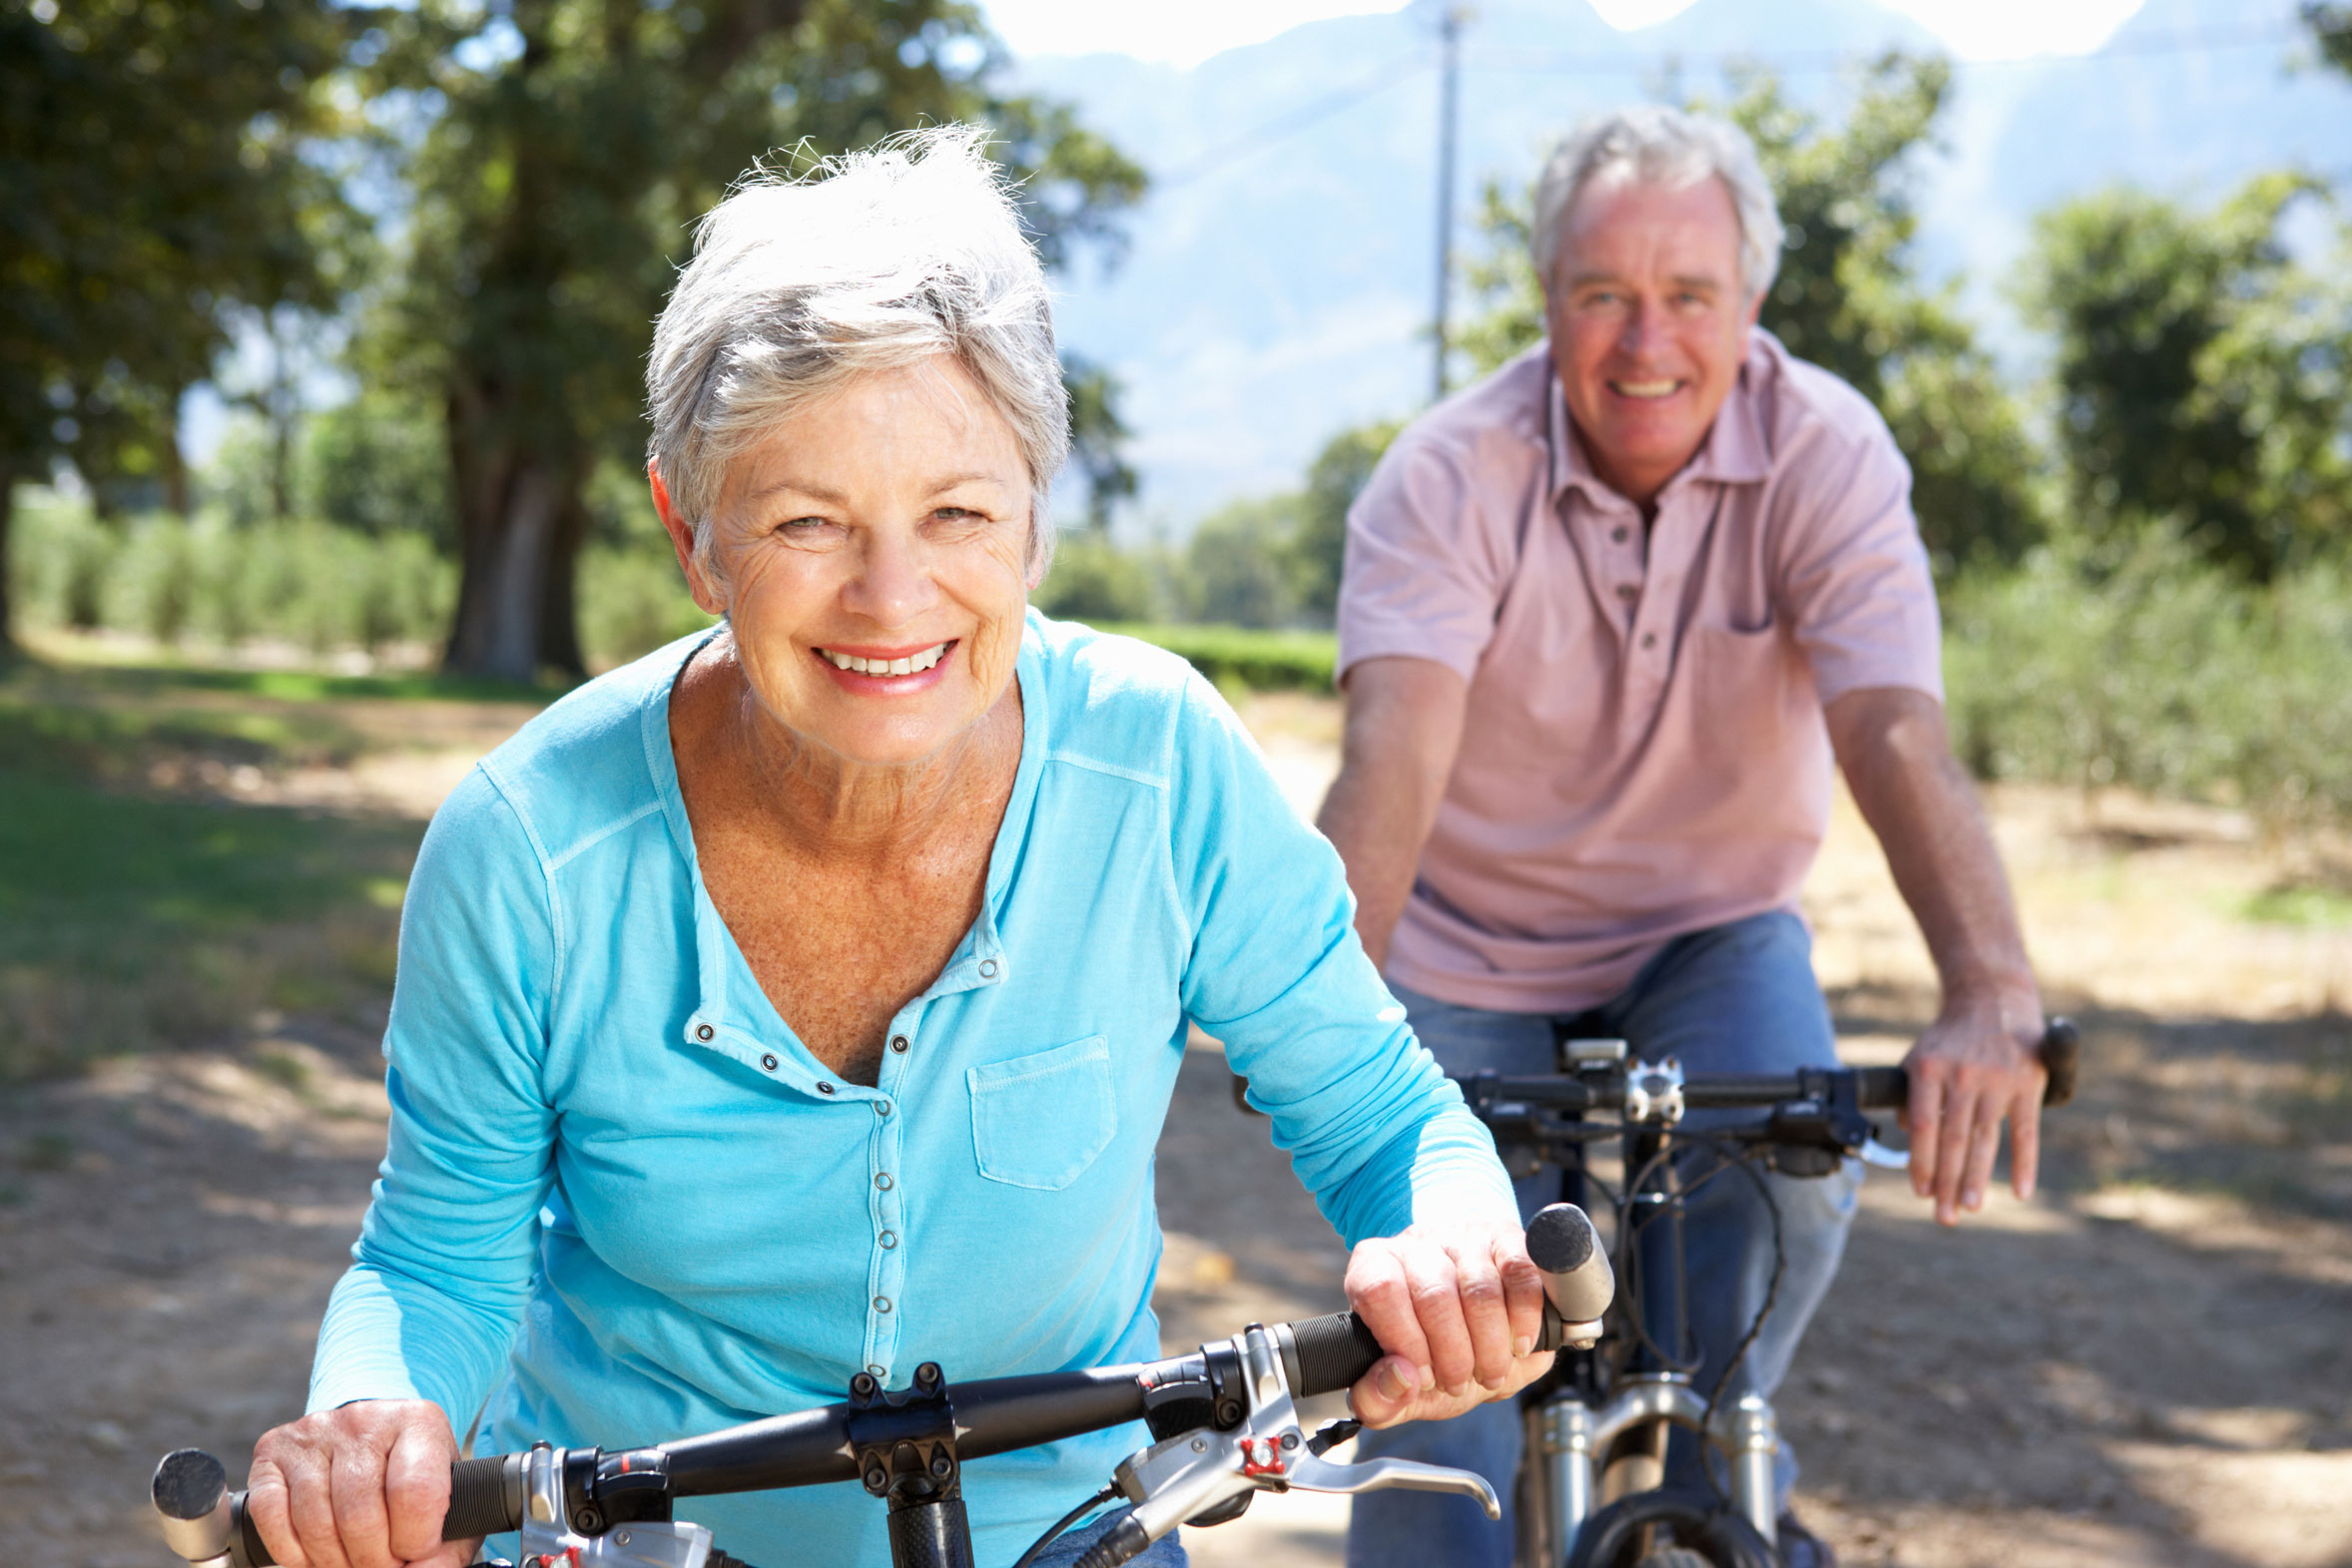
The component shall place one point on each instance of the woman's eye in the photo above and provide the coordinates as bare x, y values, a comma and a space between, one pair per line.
800, 525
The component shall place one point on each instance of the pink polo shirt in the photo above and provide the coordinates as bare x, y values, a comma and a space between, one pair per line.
1645, 753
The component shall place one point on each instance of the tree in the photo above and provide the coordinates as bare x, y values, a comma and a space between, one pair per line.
1317, 540
2331, 29
1235, 565
153, 169
552, 202
1846, 298
2201, 375
1099, 439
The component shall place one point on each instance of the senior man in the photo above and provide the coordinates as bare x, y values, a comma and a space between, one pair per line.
1607, 618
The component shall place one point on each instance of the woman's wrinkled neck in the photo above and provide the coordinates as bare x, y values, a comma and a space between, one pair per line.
826, 804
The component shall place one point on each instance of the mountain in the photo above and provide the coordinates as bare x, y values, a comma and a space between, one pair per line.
1277, 285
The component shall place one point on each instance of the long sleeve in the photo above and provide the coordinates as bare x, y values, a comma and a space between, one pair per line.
445, 1256
1372, 1126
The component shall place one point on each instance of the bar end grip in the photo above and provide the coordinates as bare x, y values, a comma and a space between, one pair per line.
1576, 1267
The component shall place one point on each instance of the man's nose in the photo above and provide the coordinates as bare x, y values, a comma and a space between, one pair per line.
1644, 330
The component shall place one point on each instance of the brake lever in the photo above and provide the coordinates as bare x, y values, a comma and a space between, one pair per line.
1875, 1153
1197, 1473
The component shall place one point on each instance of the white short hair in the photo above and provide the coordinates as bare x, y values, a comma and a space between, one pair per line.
1661, 146
871, 262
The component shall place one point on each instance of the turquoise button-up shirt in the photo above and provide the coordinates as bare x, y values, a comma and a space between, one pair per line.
623, 1204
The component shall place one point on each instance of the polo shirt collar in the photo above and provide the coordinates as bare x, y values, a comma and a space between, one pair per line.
1733, 452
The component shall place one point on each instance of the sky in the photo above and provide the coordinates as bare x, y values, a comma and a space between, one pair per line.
1186, 32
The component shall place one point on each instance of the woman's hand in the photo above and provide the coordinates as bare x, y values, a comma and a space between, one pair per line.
1459, 1305
364, 1486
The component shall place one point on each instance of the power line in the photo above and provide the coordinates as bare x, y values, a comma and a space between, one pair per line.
1290, 124
1802, 62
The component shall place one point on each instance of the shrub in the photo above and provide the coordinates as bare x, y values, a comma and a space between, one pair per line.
2164, 674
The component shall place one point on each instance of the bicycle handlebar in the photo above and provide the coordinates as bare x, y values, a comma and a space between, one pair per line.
1875, 1088
487, 1496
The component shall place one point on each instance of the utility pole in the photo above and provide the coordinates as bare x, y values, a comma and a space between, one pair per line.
1450, 27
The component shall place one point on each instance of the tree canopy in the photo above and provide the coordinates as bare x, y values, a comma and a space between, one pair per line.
568, 147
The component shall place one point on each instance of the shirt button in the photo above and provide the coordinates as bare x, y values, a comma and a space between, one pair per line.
881, 1107
987, 968
1649, 639
1628, 592
882, 1304
824, 1088
897, 1042
881, 1179
889, 1239
767, 1062
1621, 533
704, 1031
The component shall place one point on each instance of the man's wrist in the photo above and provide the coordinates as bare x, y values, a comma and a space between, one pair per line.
2008, 1002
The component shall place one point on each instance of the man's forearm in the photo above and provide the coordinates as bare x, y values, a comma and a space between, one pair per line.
1403, 729
1922, 805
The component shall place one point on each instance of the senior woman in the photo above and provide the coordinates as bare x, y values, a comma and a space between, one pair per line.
807, 997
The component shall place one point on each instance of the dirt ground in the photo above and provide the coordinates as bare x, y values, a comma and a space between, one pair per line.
2150, 1364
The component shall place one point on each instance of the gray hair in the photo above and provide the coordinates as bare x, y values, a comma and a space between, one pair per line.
871, 262
1661, 146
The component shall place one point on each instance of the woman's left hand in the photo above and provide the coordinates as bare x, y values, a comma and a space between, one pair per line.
1459, 1305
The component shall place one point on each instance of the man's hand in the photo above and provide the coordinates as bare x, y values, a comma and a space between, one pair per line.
1459, 1306
1972, 1069
1977, 1065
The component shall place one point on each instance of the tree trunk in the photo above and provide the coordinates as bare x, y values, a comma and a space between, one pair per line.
520, 520
7, 588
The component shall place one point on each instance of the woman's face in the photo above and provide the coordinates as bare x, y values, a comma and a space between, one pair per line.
871, 553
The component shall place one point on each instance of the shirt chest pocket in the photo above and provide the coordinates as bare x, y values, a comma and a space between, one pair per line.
1040, 1121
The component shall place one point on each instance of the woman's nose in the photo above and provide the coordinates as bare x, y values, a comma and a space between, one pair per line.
892, 584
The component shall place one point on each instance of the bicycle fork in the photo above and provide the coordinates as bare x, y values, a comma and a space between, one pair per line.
1573, 1437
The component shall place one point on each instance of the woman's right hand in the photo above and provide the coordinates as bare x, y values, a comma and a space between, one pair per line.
362, 1486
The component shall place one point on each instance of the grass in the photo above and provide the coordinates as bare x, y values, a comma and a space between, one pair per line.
2298, 904
1230, 654
138, 915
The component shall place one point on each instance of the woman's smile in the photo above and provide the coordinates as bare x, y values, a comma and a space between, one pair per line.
886, 672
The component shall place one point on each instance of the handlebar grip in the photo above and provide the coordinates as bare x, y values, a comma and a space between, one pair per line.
480, 1500
1882, 1088
2062, 1054
1334, 1351
479, 1504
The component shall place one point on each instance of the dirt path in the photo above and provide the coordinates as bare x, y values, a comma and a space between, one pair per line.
2152, 1363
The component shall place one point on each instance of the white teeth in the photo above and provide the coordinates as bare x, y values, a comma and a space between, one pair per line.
912, 665
1646, 388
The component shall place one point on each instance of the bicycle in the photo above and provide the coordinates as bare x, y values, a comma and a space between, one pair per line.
1223, 1422
1598, 1424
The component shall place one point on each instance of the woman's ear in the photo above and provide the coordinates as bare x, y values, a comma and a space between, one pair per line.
680, 531
1040, 559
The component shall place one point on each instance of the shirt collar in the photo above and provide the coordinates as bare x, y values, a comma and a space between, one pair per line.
1734, 451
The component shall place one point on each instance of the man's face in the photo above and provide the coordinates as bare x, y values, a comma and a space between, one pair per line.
1648, 323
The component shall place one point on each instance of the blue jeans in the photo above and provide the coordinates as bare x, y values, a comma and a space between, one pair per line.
1740, 998
1166, 1552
